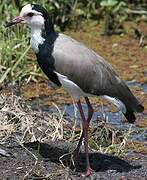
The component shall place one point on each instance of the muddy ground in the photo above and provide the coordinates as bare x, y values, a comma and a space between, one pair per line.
27, 162
34, 159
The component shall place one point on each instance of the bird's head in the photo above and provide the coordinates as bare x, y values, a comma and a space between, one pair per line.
34, 15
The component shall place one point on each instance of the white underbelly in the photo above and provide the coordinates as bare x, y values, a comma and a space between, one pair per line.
74, 90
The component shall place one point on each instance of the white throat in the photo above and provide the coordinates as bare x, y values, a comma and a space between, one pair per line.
36, 39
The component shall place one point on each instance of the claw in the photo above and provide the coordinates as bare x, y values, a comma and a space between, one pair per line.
88, 172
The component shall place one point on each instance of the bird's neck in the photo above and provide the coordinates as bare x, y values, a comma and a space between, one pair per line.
36, 38
40, 34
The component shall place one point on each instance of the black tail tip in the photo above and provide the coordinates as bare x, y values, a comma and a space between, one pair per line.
130, 116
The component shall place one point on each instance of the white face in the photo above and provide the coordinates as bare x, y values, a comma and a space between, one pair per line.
32, 18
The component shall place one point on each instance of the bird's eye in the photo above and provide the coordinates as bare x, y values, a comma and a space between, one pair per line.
30, 14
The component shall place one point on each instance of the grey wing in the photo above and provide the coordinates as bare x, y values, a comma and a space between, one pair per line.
83, 66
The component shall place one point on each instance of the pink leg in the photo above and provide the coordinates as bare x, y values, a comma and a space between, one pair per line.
90, 110
90, 113
85, 134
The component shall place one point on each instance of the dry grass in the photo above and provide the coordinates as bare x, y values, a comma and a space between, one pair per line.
18, 120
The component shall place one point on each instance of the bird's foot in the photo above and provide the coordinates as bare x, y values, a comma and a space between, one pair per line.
88, 172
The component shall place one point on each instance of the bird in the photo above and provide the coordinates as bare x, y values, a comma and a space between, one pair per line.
70, 64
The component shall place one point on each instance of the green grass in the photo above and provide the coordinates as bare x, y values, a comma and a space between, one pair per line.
17, 62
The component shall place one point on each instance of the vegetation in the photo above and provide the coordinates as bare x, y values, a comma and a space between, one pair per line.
18, 120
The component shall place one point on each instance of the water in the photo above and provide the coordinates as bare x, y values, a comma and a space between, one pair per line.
113, 118
142, 86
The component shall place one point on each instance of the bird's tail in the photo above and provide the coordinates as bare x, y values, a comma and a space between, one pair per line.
130, 101
130, 116
126, 102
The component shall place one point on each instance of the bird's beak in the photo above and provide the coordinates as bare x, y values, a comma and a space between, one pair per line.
14, 21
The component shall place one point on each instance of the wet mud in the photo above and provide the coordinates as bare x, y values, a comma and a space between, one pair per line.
41, 161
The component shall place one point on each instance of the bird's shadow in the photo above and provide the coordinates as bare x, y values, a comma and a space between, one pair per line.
98, 161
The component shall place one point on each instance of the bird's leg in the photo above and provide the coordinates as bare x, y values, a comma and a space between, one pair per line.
85, 125
90, 113
90, 109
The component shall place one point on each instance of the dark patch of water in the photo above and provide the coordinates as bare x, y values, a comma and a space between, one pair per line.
114, 118
142, 86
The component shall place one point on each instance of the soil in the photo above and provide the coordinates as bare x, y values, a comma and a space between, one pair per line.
41, 161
